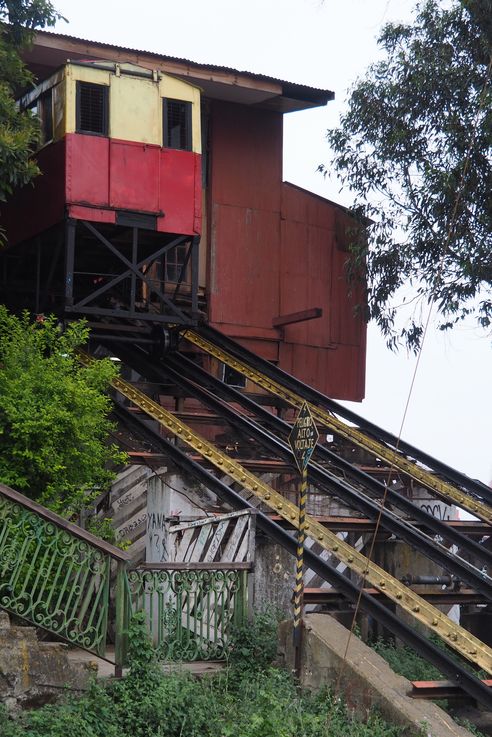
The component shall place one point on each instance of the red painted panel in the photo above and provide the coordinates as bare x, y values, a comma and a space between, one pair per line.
197, 215
246, 156
244, 261
133, 176
305, 275
313, 271
242, 331
39, 205
180, 193
267, 349
87, 180
125, 175
339, 373
306, 207
263, 265
346, 325
95, 214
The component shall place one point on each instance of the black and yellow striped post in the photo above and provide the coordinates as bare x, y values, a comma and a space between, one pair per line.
302, 439
299, 582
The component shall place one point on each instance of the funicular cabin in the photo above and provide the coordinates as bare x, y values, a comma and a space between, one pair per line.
111, 228
112, 224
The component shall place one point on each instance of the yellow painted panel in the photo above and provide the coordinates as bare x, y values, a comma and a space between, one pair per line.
59, 111
134, 110
176, 89
73, 74
135, 103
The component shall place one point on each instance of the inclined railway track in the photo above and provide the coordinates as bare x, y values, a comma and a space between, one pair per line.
454, 670
178, 368
466, 644
454, 487
337, 476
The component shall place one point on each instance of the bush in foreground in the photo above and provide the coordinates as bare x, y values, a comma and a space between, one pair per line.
254, 701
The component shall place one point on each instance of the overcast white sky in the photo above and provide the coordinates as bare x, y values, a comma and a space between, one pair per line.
325, 44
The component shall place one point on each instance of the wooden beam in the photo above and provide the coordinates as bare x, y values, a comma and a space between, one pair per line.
432, 690
294, 317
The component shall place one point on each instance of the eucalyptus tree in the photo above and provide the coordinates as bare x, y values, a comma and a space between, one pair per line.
415, 149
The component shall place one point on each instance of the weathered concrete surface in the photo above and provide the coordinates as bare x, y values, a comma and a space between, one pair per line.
33, 673
365, 679
274, 576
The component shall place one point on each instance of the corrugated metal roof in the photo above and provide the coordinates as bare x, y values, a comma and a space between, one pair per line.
293, 87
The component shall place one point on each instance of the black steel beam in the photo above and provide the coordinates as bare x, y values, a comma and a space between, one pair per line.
369, 483
455, 671
473, 486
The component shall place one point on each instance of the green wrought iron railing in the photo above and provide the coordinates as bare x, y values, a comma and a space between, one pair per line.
59, 577
191, 608
54, 574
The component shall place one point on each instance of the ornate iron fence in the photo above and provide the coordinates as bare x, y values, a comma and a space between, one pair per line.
191, 608
58, 577
53, 573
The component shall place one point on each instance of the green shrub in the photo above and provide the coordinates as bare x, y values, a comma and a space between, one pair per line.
254, 643
254, 702
405, 661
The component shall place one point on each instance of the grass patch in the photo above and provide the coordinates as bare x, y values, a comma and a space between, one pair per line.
249, 699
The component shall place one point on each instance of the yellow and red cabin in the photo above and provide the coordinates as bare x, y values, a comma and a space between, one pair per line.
118, 138
120, 161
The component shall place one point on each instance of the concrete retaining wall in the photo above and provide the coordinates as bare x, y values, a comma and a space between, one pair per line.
34, 673
365, 679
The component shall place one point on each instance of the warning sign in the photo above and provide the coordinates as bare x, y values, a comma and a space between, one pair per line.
303, 437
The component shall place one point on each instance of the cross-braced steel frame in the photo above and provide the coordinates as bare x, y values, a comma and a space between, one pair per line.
136, 286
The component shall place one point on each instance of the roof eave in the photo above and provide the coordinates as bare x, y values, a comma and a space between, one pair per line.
50, 50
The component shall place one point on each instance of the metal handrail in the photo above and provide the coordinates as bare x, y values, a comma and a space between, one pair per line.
64, 524
58, 576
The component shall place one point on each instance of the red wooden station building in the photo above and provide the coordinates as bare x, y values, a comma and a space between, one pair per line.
161, 199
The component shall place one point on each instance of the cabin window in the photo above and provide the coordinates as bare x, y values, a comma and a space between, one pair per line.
177, 124
92, 108
42, 107
231, 377
174, 262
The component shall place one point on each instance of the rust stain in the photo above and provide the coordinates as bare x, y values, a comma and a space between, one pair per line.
24, 650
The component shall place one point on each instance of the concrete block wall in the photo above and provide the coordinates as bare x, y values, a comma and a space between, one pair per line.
34, 673
365, 679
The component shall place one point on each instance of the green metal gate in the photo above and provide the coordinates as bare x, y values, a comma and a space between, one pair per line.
61, 578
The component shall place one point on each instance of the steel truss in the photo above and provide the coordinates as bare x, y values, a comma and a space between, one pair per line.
129, 279
351, 591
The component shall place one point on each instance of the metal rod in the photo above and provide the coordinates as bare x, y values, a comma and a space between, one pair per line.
299, 581
195, 269
121, 616
133, 277
69, 261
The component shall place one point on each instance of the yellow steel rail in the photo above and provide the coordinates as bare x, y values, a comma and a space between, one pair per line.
455, 636
441, 488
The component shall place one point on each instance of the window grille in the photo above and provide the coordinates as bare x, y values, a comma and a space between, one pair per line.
174, 262
177, 124
92, 108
